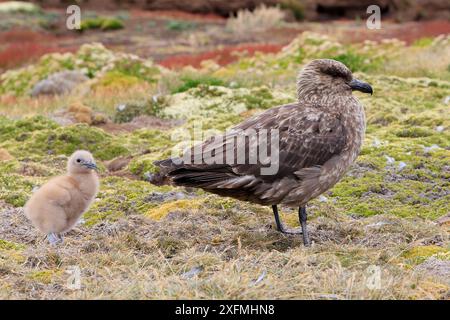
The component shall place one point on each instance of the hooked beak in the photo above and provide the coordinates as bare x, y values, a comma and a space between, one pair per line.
90, 165
356, 84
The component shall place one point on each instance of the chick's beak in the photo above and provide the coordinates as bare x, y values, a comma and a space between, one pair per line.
356, 84
90, 165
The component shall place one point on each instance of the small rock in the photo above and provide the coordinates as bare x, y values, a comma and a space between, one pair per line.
58, 83
322, 198
401, 165
165, 196
260, 278
440, 128
376, 143
192, 273
447, 100
389, 159
428, 149
118, 163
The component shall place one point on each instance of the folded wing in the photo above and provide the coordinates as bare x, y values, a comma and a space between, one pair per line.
307, 138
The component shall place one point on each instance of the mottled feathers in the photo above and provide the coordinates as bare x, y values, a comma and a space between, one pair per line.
320, 135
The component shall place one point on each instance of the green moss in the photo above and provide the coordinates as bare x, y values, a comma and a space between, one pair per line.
21, 129
423, 120
418, 255
179, 25
143, 165
37, 140
189, 82
101, 23
91, 23
8, 167
413, 132
160, 147
208, 102
161, 211
130, 110
15, 189
423, 42
44, 276
111, 24
382, 118
295, 7
66, 140
350, 187
117, 79
258, 98
156, 140
8, 245
119, 197
133, 66
357, 62
127, 112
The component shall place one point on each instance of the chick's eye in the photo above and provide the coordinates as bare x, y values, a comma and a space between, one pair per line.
78, 160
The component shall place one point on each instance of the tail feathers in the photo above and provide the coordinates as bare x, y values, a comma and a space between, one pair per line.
197, 179
172, 171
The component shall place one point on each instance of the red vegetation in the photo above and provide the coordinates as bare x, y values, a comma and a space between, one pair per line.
221, 56
18, 47
22, 35
407, 31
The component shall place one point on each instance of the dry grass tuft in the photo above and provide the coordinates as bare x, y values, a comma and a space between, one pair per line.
261, 19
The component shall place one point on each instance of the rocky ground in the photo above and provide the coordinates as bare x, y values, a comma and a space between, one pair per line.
382, 232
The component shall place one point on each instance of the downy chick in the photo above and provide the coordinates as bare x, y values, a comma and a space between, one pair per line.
57, 206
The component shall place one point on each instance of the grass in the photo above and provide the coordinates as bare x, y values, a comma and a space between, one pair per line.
140, 241
296, 8
261, 19
102, 23
180, 25
140, 258
355, 62
189, 83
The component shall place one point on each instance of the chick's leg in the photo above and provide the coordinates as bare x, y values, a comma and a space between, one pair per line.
54, 238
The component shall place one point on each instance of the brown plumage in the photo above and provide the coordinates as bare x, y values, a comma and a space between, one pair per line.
57, 206
320, 135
